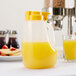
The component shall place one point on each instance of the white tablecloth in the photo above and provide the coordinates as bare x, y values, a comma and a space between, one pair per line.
18, 69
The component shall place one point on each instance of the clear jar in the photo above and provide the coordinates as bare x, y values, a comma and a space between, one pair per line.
37, 51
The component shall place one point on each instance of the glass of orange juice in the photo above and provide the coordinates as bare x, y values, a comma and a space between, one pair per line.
69, 46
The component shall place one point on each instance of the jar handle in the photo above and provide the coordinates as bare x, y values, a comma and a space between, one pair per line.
51, 34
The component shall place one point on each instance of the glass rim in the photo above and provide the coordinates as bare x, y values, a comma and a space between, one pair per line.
67, 37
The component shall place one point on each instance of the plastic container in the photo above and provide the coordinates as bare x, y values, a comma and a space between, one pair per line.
37, 50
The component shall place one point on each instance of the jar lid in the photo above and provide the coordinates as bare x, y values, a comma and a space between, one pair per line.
14, 32
2, 32
36, 15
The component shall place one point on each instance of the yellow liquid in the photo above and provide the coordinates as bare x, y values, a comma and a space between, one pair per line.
38, 55
70, 49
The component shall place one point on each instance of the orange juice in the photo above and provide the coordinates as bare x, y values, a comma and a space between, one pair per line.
70, 49
38, 55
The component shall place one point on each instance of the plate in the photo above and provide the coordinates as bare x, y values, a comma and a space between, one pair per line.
10, 58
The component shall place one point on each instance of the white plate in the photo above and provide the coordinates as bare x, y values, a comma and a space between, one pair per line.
10, 58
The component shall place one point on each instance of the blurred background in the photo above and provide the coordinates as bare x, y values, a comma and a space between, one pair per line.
12, 16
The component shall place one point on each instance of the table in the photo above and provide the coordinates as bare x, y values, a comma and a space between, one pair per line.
17, 69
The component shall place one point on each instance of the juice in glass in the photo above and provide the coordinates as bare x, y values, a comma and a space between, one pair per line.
69, 49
